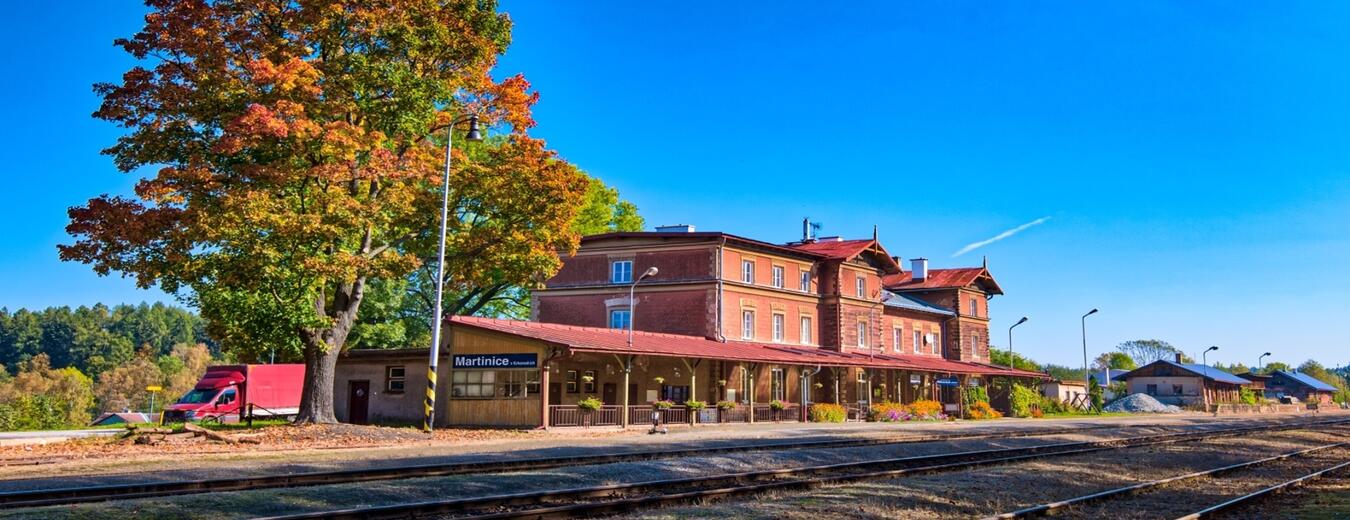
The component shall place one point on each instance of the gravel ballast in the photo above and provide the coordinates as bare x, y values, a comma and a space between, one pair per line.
1140, 403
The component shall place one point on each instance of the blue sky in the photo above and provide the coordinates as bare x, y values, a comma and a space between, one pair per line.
1191, 157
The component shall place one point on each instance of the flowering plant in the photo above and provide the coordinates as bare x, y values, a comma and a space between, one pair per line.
664, 404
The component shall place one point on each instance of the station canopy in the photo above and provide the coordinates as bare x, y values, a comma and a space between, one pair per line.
615, 341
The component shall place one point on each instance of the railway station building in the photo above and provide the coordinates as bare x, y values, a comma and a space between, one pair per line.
766, 329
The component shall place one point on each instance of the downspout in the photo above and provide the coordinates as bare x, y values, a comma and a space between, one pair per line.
806, 391
720, 245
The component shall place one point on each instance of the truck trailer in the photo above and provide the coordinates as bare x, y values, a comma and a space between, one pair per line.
230, 393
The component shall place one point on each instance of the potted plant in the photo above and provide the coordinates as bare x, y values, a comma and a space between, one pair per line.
777, 407
818, 386
721, 382
722, 408
663, 404
659, 380
588, 405
695, 407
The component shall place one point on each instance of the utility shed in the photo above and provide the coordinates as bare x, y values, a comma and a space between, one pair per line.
1184, 384
1299, 384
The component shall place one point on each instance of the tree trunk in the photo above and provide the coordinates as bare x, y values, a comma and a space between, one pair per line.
322, 348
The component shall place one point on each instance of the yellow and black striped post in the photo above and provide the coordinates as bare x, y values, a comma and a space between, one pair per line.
430, 403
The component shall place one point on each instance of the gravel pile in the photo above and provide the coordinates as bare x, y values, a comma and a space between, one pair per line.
1140, 403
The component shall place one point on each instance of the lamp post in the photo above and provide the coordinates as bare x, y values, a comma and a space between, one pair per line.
1010, 343
472, 135
1086, 374
1204, 358
632, 305
1259, 365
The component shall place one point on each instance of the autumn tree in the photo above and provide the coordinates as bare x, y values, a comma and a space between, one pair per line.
300, 149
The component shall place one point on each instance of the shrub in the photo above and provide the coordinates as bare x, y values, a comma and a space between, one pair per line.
1095, 394
695, 405
1247, 396
831, 413
726, 405
1054, 406
1023, 399
777, 405
982, 410
664, 404
926, 408
888, 412
590, 404
974, 394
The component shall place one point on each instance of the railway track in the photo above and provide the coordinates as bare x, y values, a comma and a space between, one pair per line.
1143, 487
85, 494
617, 498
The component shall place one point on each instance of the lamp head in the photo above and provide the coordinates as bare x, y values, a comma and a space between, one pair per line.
1211, 348
473, 134
1091, 312
651, 271
1266, 354
1021, 321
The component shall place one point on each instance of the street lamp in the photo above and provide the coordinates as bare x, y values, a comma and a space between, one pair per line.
1010, 345
1204, 358
1086, 374
472, 135
1259, 365
632, 305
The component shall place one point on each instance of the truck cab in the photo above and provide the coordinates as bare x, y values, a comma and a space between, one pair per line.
215, 396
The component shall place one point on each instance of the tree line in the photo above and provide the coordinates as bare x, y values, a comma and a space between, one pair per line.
61, 366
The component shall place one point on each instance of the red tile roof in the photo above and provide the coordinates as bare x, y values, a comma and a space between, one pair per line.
841, 249
940, 279
615, 341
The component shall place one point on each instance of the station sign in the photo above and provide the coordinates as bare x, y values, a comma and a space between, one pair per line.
948, 381
491, 361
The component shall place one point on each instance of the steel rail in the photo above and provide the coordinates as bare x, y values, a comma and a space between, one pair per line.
754, 482
1251, 497
1051, 507
101, 493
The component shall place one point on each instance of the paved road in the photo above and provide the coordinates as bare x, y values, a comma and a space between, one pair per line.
44, 437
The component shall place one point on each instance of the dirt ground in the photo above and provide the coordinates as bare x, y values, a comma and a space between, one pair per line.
1324, 499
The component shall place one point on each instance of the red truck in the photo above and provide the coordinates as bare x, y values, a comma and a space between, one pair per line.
229, 393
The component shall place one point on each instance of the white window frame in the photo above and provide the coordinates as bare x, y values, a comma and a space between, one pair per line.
932, 340
862, 334
861, 285
747, 324
621, 271
974, 306
777, 384
779, 321
898, 335
748, 271
779, 276
626, 312
918, 341
806, 333
975, 346
805, 281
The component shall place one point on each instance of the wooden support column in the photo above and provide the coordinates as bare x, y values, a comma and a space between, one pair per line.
750, 390
625, 364
543, 396
693, 378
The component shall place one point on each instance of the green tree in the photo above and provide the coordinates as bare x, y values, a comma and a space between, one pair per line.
299, 155
999, 358
1145, 351
1114, 361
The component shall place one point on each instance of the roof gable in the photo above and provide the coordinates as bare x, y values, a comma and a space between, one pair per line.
954, 278
1307, 380
850, 249
1204, 371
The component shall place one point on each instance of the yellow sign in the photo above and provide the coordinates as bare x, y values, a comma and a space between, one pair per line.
154, 388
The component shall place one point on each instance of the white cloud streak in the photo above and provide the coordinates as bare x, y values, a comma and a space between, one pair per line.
976, 245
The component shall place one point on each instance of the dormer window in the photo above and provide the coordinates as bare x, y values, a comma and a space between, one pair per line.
621, 271
748, 271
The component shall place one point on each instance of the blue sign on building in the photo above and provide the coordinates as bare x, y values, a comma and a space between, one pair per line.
491, 361
948, 381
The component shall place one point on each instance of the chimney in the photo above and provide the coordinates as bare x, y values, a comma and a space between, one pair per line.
898, 261
1178, 358
677, 228
920, 268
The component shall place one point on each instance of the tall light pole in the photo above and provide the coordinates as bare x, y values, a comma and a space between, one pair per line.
472, 135
1259, 364
632, 305
1010, 344
1086, 375
1204, 358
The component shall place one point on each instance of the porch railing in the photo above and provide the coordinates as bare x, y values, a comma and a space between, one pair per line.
610, 415
572, 415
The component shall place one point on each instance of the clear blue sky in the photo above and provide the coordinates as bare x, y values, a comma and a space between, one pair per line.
1192, 157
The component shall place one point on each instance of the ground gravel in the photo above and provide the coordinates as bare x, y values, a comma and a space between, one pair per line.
1140, 403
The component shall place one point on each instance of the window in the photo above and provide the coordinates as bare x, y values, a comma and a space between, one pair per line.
572, 380
226, 397
805, 281
588, 386
862, 386
915, 338
1177, 390
778, 276
747, 324
898, 335
974, 307
394, 379
748, 271
1151, 390
806, 330
621, 271
975, 346
779, 323
490, 384
620, 318
930, 340
861, 283
862, 334
777, 384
